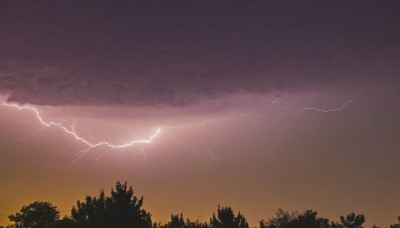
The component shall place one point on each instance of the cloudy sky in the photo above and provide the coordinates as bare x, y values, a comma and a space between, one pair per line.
260, 105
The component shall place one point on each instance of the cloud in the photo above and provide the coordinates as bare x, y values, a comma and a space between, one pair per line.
103, 53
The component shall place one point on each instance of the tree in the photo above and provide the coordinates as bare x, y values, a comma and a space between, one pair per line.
177, 221
351, 220
91, 212
227, 219
64, 223
196, 224
121, 209
397, 225
37, 214
282, 219
307, 219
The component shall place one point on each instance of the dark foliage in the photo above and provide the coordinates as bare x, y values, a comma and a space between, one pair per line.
227, 219
284, 219
90, 213
351, 220
177, 221
64, 223
121, 209
36, 215
196, 224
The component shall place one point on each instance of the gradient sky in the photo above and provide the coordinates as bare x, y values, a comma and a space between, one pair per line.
119, 71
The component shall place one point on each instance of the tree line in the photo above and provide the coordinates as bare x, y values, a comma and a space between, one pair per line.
123, 209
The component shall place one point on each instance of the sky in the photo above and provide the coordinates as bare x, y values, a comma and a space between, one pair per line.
254, 105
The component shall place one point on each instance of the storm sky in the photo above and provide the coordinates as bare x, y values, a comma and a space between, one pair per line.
119, 70
82, 53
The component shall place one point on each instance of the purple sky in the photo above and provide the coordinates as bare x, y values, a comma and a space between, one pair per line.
118, 71
77, 53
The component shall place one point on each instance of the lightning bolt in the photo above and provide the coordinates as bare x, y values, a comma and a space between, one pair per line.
145, 142
340, 108
330, 110
90, 145
71, 131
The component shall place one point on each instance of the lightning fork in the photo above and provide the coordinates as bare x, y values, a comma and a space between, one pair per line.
75, 135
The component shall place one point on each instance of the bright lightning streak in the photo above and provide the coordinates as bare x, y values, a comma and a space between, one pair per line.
71, 131
75, 135
90, 145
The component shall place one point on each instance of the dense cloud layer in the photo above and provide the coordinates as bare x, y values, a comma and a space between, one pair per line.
92, 53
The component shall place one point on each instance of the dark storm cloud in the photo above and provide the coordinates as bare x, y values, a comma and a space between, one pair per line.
122, 53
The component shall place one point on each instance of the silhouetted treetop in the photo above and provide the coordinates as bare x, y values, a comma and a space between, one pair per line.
351, 220
177, 221
35, 215
121, 209
90, 213
284, 219
227, 219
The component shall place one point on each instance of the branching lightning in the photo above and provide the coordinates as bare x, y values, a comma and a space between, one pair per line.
317, 109
71, 131
329, 110
145, 142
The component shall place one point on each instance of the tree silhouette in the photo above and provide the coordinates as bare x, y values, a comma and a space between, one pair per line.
64, 223
397, 225
227, 219
121, 209
282, 219
196, 224
90, 213
36, 215
351, 220
307, 219
177, 221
